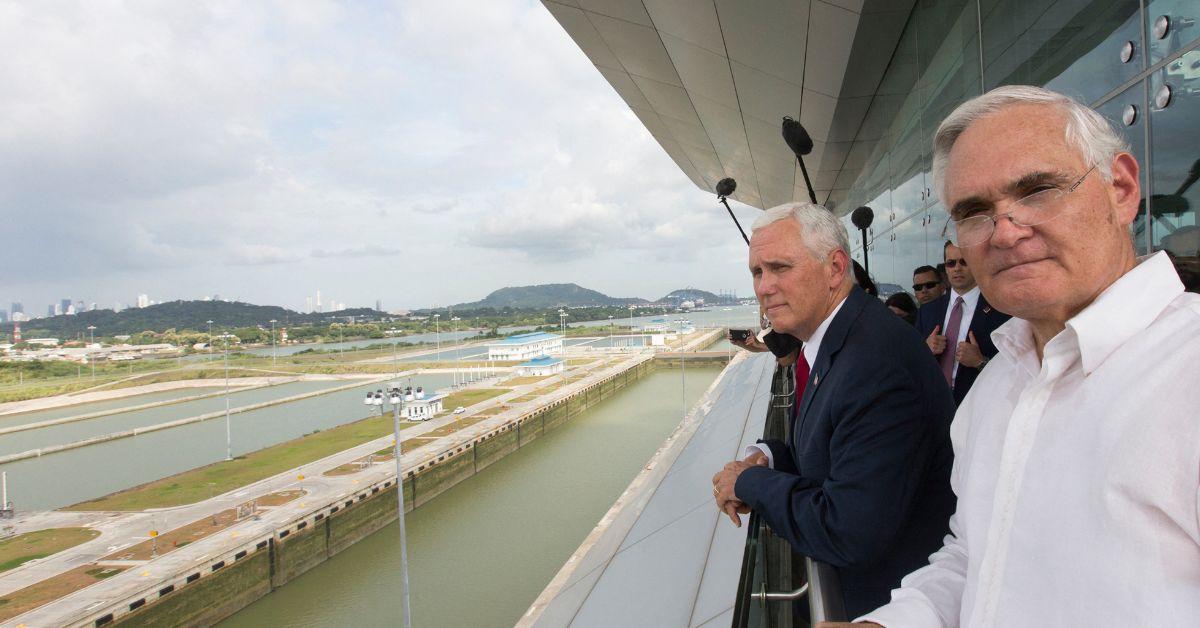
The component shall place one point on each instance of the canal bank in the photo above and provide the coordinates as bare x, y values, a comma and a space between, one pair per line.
481, 552
331, 516
273, 551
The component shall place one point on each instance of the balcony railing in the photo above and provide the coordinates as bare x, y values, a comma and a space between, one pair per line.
779, 588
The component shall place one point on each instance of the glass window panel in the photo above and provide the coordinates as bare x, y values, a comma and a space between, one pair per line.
1115, 111
948, 54
1176, 166
1072, 46
1182, 29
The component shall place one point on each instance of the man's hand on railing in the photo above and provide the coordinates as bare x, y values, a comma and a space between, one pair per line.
724, 482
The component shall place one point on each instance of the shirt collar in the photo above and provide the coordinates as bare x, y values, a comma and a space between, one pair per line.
812, 346
970, 298
1125, 308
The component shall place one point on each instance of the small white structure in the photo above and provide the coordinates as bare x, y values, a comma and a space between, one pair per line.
526, 346
418, 407
540, 367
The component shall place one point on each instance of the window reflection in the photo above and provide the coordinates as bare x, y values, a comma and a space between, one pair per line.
1176, 160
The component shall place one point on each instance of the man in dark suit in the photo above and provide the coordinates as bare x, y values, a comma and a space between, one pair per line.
965, 314
864, 483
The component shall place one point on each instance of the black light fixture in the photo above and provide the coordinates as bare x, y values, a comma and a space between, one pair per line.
801, 143
725, 188
862, 218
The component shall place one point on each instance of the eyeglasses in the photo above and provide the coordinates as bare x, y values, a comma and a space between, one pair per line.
951, 263
1035, 209
928, 285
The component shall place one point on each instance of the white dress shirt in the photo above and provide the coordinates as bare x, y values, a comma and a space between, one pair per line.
1078, 478
812, 347
970, 300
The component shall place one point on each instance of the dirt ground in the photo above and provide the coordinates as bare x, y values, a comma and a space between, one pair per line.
51, 589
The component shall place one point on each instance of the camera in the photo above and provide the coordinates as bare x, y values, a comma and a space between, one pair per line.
739, 335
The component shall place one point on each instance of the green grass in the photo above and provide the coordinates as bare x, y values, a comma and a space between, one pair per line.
101, 573
23, 548
192, 486
470, 397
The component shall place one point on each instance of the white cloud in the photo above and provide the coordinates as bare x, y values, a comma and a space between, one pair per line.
459, 144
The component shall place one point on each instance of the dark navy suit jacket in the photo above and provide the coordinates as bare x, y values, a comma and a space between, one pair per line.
985, 320
864, 484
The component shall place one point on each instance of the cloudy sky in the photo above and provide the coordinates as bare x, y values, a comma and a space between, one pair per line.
422, 153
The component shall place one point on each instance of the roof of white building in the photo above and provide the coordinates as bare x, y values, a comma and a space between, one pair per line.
522, 339
541, 360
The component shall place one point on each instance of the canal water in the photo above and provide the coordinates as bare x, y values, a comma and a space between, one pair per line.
76, 475
480, 553
87, 428
718, 316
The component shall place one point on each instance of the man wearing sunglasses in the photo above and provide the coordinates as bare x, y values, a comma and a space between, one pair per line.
927, 284
1077, 453
958, 325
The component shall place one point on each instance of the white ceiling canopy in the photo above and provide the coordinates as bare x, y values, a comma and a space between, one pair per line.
713, 79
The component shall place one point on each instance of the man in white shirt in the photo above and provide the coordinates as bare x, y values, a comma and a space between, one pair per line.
1077, 463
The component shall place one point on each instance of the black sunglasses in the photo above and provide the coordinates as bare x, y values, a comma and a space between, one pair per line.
951, 263
928, 285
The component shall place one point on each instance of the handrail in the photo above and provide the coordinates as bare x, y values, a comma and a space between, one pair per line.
825, 592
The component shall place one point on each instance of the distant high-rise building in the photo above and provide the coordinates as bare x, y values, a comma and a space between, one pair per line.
65, 304
54, 309
318, 300
92, 307
17, 308
143, 301
117, 307
378, 305
70, 309
3, 316
308, 304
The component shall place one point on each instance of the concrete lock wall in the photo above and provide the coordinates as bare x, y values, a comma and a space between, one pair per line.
298, 552
209, 599
291, 551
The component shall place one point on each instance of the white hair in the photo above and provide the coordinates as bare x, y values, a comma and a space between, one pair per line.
1086, 131
823, 232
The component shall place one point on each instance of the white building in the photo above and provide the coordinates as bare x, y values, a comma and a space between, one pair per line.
540, 367
418, 407
526, 346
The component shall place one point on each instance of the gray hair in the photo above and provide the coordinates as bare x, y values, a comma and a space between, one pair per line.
1086, 131
823, 232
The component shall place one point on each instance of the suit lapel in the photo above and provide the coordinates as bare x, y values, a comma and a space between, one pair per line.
831, 344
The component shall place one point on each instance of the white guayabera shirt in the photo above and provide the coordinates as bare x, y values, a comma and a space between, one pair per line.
1078, 479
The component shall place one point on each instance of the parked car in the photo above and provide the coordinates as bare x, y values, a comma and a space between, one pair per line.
459, 410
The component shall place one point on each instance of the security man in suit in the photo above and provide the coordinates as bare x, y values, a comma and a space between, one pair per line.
958, 326
864, 483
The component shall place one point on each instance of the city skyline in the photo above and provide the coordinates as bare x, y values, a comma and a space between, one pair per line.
356, 152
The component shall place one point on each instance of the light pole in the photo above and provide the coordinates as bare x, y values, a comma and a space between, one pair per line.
457, 353
92, 332
273, 321
631, 308
437, 330
209, 340
228, 429
610, 330
396, 397
562, 322
682, 375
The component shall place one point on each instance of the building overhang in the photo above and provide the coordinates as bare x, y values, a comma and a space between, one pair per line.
712, 82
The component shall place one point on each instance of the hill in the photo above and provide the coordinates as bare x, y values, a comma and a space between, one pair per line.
545, 296
690, 294
178, 315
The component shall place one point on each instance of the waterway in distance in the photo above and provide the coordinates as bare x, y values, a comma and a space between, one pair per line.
717, 316
76, 475
480, 553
